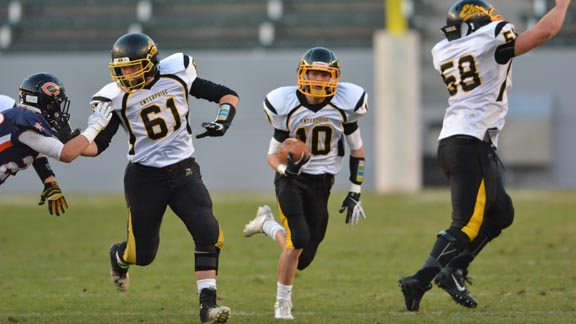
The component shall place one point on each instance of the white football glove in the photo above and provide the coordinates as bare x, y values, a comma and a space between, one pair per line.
99, 118
354, 206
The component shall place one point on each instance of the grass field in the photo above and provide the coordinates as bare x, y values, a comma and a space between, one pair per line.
55, 269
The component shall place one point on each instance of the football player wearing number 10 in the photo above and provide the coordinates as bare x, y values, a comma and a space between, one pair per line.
322, 113
475, 62
150, 101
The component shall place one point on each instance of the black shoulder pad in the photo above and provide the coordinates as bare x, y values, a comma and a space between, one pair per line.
499, 27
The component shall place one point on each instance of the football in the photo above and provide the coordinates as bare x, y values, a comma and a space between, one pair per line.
296, 146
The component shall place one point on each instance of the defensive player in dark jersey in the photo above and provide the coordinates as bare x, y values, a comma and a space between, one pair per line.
322, 112
29, 131
475, 62
150, 101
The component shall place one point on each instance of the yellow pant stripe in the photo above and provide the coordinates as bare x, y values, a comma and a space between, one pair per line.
220, 241
130, 251
473, 227
284, 220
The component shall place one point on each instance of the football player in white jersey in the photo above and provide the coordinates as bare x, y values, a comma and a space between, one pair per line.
322, 112
149, 98
38, 127
475, 62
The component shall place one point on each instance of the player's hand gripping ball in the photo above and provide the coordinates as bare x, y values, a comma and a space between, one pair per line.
296, 146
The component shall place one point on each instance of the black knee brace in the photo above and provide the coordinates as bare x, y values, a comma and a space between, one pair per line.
206, 258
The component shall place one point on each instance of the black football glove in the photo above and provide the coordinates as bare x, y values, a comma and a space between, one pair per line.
354, 206
213, 129
56, 201
293, 167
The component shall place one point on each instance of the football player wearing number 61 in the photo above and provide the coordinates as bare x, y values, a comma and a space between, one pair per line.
150, 101
475, 62
322, 113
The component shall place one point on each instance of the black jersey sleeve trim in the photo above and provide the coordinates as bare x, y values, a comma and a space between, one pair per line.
350, 128
280, 135
101, 98
186, 61
270, 107
499, 27
360, 102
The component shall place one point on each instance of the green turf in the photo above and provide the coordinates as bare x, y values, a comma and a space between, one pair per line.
55, 269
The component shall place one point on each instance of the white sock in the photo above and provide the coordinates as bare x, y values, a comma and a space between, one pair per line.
271, 227
205, 283
283, 291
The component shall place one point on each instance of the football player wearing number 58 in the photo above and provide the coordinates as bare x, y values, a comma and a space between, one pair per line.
475, 62
322, 113
150, 101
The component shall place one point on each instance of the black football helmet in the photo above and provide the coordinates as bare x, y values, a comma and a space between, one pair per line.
44, 94
318, 59
467, 16
138, 53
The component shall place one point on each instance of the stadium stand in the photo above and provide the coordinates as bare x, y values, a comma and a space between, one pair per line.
3, 13
70, 25
337, 23
66, 25
92, 25
205, 24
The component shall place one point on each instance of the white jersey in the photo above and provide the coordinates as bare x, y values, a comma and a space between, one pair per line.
6, 102
478, 85
322, 129
156, 117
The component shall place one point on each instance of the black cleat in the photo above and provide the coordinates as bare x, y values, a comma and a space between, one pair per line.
118, 274
453, 281
210, 313
413, 291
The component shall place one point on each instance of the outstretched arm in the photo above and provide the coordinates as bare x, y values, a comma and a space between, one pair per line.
80, 144
546, 28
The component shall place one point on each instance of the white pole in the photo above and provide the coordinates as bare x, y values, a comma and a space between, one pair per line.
397, 112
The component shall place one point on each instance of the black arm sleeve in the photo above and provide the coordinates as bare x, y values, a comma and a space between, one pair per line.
43, 168
504, 53
208, 90
104, 138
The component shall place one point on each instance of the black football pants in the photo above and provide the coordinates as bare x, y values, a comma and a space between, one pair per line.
303, 204
149, 191
480, 205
